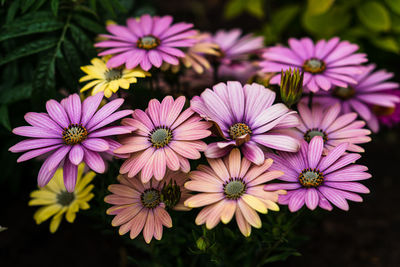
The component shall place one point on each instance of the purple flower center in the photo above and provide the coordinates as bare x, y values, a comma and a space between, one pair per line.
234, 188
160, 137
315, 132
344, 93
383, 111
74, 134
314, 65
311, 178
65, 198
238, 130
150, 198
113, 74
148, 42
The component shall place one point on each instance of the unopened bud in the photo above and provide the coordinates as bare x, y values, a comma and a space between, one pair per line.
202, 243
291, 86
170, 194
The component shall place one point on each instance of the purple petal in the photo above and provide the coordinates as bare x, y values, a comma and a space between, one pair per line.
279, 142
42, 120
45, 175
70, 173
31, 131
89, 107
34, 144
37, 152
333, 155
113, 130
104, 112
57, 113
343, 161
315, 151
57, 156
253, 153
348, 186
213, 151
334, 197
94, 161
76, 154
74, 108
311, 198
96, 144
116, 116
297, 200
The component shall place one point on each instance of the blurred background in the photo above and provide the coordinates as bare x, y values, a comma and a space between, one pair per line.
43, 44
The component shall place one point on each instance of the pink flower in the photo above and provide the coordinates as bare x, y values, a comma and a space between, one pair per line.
71, 132
246, 117
139, 206
370, 96
162, 137
148, 41
315, 180
389, 116
232, 186
325, 64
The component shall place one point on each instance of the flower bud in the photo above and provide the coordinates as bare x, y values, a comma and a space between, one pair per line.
291, 86
170, 194
202, 243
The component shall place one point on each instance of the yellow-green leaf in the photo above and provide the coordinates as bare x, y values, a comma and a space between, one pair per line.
394, 5
318, 7
374, 15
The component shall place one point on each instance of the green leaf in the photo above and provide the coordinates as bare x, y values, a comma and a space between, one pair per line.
282, 17
106, 4
12, 10
72, 56
26, 4
396, 23
84, 43
29, 49
118, 5
318, 7
16, 93
281, 257
394, 5
88, 24
374, 15
234, 8
255, 8
54, 7
386, 43
4, 118
21, 27
38, 4
44, 82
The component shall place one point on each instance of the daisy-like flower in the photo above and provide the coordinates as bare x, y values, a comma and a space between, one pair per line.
320, 181
69, 133
325, 64
57, 201
332, 127
232, 186
385, 115
139, 206
148, 41
369, 96
246, 117
109, 80
162, 137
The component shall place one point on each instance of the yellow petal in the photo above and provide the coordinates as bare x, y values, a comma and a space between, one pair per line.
41, 201
84, 181
99, 64
55, 222
85, 192
132, 80
90, 85
85, 78
255, 203
123, 83
108, 93
99, 88
43, 194
84, 205
93, 71
114, 86
46, 212
71, 212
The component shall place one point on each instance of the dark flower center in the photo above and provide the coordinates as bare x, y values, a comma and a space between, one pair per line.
314, 65
344, 93
170, 194
113, 74
311, 178
65, 198
148, 42
74, 134
383, 111
315, 132
160, 137
234, 188
150, 198
238, 129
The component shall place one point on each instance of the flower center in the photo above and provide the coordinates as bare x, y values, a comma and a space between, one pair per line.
314, 65
113, 74
311, 178
150, 198
74, 134
383, 111
315, 132
148, 42
234, 188
160, 137
170, 194
344, 93
239, 129
65, 198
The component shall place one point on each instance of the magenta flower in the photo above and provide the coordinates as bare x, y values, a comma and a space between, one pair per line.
162, 137
148, 41
315, 180
385, 115
246, 117
333, 129
371, 95
325, 64
69, 133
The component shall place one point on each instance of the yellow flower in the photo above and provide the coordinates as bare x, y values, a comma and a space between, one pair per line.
56, 200
109, 80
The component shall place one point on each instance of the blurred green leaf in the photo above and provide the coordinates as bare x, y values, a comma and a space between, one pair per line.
107, 5
15, 93
12, 11
26, 4
4, 118
234, 8
281, 256
29, 49
374, 15
88, 24
255, 8
396, 23
45, 80
394, 5
54, 6
84, 43
38, 4
318, 7
386, 43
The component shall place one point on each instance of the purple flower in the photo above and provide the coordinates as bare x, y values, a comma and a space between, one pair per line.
370, 95
246, 117
325, 64
69, 133
388, 116
315, 180
148, 41
325, 121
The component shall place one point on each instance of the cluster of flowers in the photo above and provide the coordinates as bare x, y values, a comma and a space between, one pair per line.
311, 151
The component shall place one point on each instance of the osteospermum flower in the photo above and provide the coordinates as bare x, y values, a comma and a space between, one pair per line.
246, 117
385, 115
371, 96
334, 129
148, 41
139, 206
69, 133
325, 64
232, 186
108, 80
57, 201
162, 137
315, 180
